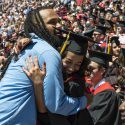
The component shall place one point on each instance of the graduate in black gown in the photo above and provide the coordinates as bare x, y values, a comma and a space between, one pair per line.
104, 109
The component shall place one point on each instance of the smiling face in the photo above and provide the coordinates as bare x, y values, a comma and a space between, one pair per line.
72, 62
115, 49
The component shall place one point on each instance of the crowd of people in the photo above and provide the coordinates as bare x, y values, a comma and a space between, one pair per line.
62, 62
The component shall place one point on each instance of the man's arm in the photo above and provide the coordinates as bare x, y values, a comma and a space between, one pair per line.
54, 96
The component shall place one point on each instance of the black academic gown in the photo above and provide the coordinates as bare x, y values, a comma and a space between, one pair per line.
105, 107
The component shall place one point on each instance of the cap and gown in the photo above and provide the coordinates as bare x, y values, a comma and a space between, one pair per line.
101, 29
75, 88
104, 109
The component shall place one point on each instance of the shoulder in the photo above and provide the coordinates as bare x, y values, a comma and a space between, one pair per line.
41, 46
105, 96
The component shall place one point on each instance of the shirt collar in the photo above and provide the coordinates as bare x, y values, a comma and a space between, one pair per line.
34, 36
99, 84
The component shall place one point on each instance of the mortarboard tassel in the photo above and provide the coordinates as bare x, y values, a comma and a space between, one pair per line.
109, 46
65, 44
114, 27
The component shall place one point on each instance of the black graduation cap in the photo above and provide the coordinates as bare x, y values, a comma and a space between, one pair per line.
101, 58
89, 32
102, 10
121, 24
77, 43
109, 11
85, 18
101, 29
106, 23
96, 1
109, 23
93, 17
101, 21
115, 39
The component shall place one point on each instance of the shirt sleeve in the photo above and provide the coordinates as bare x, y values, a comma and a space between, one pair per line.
54, 96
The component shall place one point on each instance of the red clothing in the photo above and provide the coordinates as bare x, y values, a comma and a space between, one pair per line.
103, 44
79, 2
103, 87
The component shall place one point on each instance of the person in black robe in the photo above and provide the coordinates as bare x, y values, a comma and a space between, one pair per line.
104, 109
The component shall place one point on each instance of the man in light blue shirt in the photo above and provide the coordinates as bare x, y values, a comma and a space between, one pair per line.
17, 101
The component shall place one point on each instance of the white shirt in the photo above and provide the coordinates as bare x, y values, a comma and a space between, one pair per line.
99, 84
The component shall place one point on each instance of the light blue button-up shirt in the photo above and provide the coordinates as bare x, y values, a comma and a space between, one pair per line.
17, 101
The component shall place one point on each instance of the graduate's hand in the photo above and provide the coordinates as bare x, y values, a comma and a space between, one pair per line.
122, 110
21, 43
33, 70
37, 75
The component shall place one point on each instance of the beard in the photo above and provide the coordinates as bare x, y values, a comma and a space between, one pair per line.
54, 40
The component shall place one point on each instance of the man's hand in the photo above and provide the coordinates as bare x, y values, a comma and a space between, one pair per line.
34, 72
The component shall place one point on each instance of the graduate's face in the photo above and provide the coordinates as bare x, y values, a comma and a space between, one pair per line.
50, 19
96, 73
96, 36
115, 50
108, 16
72, 62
